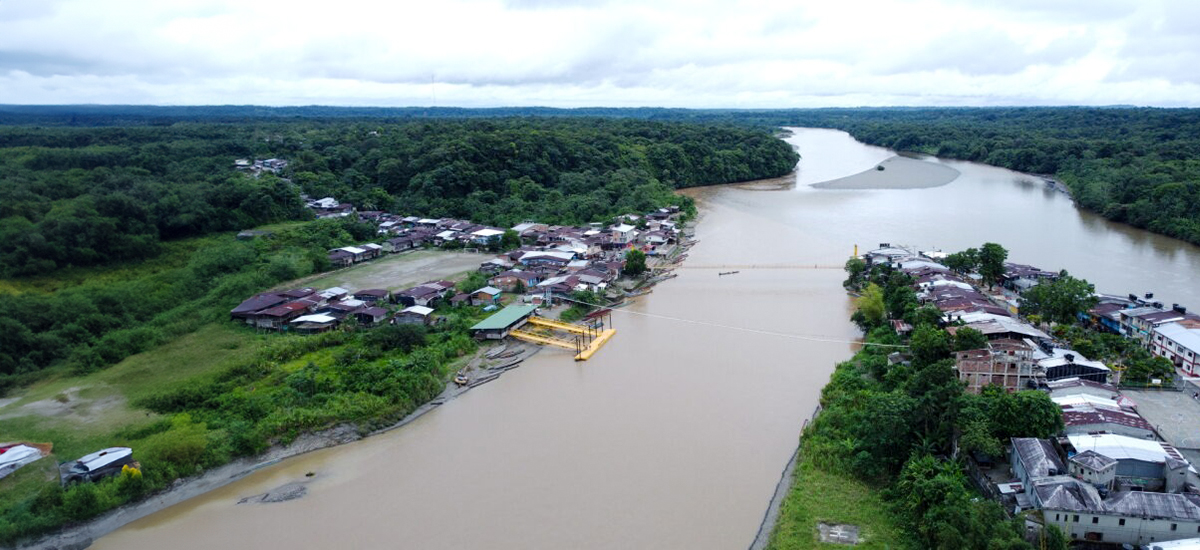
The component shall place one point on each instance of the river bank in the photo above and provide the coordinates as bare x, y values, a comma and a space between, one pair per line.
487, 365
81, 536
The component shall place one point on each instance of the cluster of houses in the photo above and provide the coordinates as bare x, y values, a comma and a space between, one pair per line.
1171, 333
1108, 477
553, 262
259, 166
1017, 355
398, 233
308, 310
1020, 356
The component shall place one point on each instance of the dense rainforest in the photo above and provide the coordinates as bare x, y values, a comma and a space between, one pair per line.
1139, 166
88, 196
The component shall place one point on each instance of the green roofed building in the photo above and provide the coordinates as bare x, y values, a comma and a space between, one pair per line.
497, 326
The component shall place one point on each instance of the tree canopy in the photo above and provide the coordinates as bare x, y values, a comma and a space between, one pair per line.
90, 196
1060, 300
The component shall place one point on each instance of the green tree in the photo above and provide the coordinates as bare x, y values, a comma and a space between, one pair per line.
966, 338
1147, 367
1027, 413
635, 262
510, 240
924, 315
404, 337
1053, 538
1060, 300
991, 262
856, 269
929, 345
474, 281
872, 311
966, 261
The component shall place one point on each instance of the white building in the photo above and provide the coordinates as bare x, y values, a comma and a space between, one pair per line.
1179, 343
624, 234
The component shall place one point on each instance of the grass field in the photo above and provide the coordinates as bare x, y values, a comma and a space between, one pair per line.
819, 496
81, 414
398, 271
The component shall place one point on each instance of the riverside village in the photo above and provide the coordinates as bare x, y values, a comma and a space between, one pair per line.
1122, 469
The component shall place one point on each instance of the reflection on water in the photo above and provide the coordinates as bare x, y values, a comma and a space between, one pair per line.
673, 436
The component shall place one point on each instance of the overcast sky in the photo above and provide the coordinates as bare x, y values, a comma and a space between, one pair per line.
575, 53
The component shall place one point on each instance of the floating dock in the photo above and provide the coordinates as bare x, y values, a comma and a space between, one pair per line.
585, 340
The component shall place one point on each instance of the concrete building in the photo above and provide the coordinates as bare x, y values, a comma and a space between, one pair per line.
1094, 468
1128, 517
1141, 464
1033, 459
1007, 363
1179, 342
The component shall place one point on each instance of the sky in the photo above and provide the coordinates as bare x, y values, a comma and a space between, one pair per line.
617, 53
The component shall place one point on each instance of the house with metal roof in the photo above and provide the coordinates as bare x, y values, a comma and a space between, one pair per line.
1033, 459
317, 322
1061, 363
1091, 415
498, 325
1142, 464
1125, 517
248, 310
887, 254
414, 315
1064, 387
486, 295
1094, 468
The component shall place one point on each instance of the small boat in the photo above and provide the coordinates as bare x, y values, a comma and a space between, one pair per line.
461, 379
97, 465
15, 455
724, 273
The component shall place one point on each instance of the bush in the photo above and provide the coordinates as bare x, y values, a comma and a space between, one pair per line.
183, 446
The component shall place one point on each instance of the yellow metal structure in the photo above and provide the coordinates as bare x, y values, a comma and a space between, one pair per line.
586, 341
558, 325
595, 345
542, 339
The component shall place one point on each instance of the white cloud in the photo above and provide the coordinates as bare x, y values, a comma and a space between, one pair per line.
753, 53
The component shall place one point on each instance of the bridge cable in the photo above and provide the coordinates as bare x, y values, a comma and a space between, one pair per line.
808, 338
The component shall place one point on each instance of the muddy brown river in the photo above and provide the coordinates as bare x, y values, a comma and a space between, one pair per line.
674, 434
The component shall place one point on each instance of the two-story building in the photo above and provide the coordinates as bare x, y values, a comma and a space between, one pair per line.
1179, 342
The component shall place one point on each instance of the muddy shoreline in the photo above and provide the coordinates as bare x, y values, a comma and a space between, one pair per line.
487, 365
82, 536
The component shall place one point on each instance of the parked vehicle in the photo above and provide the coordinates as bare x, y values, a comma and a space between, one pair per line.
97, 465
15, 455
